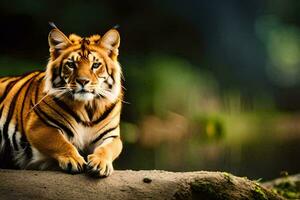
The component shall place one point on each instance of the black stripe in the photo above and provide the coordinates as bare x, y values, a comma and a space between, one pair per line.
14, 139
49, 118
106, 67
103, 134
57, 112
66, 108
90, 111
12, 83
105, 114
6, 160
8, 147
54, 76
7, 89
60, 69
113, 136
1, 110
26, 146
5, 138
13, 105
100, 96
22, 109
23, 141
57, 72
6, 157
37, 110
42, 118
37, 90
5, 79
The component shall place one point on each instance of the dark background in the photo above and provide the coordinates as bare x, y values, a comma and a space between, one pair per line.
211, 85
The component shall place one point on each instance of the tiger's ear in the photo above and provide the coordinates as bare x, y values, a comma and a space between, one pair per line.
57, 42
110, 42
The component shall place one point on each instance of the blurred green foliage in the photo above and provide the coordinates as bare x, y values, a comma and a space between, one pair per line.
283, 47
166, 83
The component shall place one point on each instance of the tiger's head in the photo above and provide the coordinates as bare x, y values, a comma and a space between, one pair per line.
84, 68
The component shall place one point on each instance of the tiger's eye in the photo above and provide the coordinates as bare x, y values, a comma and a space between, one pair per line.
96, 65
71, 65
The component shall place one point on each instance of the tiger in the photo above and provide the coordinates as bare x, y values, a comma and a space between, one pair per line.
67, 116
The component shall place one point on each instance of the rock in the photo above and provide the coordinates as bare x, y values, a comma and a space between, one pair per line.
56, 185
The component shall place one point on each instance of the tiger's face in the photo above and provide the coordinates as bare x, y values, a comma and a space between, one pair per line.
84, 68
86, 77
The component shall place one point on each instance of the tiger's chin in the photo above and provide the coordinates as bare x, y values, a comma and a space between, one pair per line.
87, 96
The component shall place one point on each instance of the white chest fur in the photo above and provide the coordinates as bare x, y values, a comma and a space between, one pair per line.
83, 136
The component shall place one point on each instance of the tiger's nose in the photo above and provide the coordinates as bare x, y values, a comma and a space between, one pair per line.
82, 81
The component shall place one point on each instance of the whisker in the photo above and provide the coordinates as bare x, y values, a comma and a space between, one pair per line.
60, 89
46, 95
107, 94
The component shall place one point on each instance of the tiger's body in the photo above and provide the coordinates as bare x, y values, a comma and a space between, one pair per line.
69, 115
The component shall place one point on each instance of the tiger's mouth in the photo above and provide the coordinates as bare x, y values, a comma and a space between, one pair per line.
84, 95
83, 91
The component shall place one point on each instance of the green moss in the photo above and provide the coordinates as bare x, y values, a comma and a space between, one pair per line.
202, 186
205, 190
287, 189
258, 193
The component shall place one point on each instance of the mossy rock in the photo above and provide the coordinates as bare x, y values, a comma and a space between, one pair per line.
288, 189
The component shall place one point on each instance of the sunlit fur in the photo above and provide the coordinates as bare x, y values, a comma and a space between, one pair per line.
69, 115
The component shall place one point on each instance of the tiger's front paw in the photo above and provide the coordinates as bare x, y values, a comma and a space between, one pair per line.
72, 164
98, 166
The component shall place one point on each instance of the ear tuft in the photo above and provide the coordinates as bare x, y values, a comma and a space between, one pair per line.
111, 42
117, 26
52, 25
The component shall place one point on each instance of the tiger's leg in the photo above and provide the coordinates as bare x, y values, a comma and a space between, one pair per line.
100, 162
51, 142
